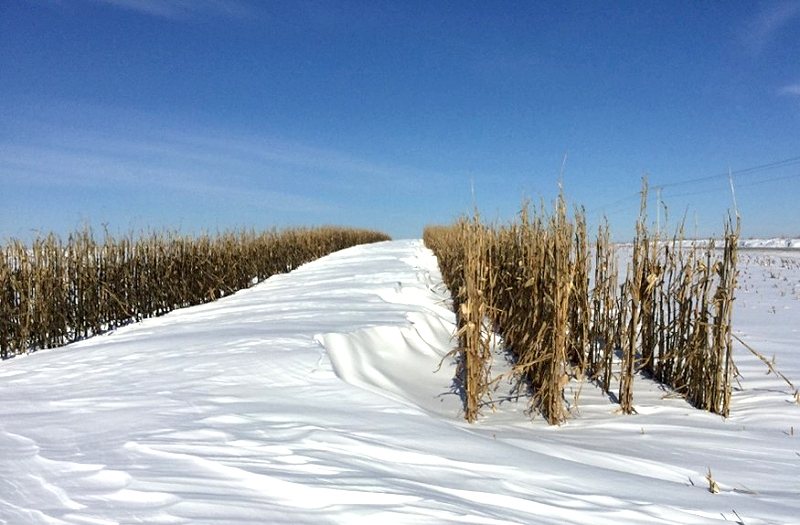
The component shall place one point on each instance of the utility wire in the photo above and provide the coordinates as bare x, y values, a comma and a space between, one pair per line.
740, 185
757, 182
791, 161
745, 171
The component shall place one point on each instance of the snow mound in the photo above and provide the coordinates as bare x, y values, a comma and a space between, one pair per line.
318, 397
779, 242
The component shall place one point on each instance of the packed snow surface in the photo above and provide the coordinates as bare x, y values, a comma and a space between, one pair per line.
778, 242
318, 397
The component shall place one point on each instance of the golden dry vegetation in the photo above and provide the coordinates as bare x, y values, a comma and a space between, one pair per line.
55, 291
565, 312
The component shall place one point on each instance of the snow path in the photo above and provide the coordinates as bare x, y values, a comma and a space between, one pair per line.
314, 397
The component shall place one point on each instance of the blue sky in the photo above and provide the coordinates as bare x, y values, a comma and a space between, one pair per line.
212, 114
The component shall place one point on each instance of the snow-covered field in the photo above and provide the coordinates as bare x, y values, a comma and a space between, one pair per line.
317, 397
778, 242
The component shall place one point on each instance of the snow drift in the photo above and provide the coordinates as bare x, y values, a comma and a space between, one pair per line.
318, 397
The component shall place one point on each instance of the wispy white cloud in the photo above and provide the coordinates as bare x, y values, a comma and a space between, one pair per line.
127, 151
184, 9
124, 166
352, 171
770, 22
793, 89
72, 165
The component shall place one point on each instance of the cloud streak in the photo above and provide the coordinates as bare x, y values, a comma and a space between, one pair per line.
74, 167
770, 22
315, 160
216, 164
183, 9
793, 89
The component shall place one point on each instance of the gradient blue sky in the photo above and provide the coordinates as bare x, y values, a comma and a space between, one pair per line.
212, 114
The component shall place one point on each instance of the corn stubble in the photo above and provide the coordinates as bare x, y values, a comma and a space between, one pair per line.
55, 291
670, 318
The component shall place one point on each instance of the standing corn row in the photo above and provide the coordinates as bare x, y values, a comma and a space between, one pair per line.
605, 311
635, 290
723, 304
475, 363
52, 293
670, 318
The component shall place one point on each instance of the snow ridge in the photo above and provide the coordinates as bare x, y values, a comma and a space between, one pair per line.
318, 397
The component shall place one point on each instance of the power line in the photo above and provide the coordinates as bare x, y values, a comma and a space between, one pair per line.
757, 182
791, 161
738, 185
745, 171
